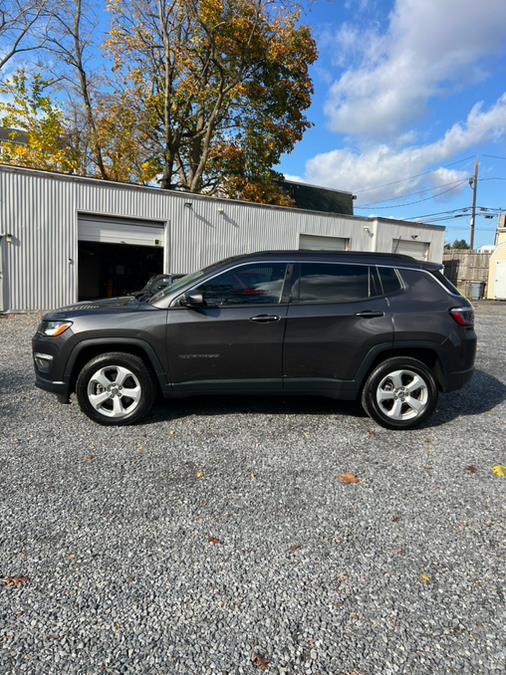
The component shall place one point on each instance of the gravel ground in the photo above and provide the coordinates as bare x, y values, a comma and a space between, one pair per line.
217, 537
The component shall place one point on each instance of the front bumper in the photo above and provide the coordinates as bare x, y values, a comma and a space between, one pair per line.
49, 359
60, 389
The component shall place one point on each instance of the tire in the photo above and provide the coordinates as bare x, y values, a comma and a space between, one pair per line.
115, 389
387, 397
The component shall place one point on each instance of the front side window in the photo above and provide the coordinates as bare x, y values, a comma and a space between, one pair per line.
330, 283
258, 284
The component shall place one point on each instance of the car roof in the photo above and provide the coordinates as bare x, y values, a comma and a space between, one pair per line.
363, 257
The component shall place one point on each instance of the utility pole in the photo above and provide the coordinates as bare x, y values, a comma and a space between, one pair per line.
474, 185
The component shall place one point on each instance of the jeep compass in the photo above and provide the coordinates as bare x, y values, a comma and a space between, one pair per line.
386, 329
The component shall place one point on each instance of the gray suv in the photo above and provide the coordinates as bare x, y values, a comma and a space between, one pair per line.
386, 329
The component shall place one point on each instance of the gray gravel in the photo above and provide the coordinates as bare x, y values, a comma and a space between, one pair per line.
111, 527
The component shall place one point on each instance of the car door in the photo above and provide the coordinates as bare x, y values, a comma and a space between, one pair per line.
335, 316
233, 342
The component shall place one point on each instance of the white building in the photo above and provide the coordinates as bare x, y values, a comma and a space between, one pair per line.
67, 238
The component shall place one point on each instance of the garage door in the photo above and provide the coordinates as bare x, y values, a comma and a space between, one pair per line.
416, 249
313, 242
120, 231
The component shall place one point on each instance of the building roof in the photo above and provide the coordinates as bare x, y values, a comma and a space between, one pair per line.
13, 136
316, 198
191, 196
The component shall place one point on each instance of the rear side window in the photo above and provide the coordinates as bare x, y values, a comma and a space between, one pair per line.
422, 286
446, 282
389, 279
330, 283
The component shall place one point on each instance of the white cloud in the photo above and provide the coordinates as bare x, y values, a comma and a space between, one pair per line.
382, 165
428, 43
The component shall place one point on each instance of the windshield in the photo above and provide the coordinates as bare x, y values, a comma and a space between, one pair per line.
177, 284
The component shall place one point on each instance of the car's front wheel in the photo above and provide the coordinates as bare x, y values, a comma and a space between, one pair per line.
400, 393
115, 389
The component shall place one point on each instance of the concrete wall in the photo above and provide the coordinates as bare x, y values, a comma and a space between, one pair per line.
40, 210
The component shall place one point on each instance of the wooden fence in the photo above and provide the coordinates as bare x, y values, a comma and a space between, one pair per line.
462, 267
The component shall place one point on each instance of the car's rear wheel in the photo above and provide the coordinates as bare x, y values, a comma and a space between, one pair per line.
400, 393
115, 389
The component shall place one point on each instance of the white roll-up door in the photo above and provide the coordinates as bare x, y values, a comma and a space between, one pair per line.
120, 231
314, 242
416, 249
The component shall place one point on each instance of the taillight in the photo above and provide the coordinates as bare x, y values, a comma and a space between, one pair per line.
464, 316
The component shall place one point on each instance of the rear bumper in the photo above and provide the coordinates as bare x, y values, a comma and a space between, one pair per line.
457, 379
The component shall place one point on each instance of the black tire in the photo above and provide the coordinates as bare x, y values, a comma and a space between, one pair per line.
378, 383
135, 407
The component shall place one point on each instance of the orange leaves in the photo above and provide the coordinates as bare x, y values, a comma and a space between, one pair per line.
15, 582
260, 662
214, 540
220, 94
349, 479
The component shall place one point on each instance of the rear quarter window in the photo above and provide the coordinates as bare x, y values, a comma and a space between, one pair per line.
446, 282
422, 286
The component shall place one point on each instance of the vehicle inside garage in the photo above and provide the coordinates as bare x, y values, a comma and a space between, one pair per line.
116, 256
108, 270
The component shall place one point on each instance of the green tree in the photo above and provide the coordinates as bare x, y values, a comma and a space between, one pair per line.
460, 243
40, 138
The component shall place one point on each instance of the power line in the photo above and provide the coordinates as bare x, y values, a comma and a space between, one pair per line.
494, 156
437, 213
418, 201
417, 175
417, 192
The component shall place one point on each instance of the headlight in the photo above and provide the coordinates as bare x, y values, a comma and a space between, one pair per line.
55, 328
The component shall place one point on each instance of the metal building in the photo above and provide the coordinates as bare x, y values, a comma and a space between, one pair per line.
67, 238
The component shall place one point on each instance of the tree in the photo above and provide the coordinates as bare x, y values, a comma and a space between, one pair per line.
18, 22
219, 89
69, 40
461, 244
39, 136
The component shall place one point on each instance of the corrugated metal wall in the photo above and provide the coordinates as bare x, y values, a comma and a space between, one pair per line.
41, 210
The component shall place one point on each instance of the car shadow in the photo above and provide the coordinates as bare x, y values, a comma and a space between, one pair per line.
481, 395
251, 405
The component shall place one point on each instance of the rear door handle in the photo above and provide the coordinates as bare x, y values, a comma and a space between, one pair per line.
369, 314
264, 318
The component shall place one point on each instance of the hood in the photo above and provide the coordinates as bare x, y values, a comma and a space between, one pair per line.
125, 303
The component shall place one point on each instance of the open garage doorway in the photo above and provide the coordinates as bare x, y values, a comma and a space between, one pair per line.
108, 270
117, 256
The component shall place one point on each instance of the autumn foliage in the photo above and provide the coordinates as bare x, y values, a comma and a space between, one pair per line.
204, 95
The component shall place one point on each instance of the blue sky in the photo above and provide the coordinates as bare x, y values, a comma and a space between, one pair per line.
407, 93
408, 88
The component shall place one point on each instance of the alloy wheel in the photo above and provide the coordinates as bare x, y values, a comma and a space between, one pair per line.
114, 391
402, 395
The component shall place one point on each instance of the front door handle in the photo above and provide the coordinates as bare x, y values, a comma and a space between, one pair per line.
369, 314
264, 318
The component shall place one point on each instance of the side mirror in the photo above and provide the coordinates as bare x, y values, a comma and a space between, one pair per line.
192, 299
